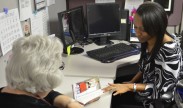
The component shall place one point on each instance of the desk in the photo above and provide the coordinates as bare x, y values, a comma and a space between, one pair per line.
82, 65
66, 88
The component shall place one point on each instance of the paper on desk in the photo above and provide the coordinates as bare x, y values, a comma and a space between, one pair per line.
134, 39
90, 96
87, 91
25, 9
131, 4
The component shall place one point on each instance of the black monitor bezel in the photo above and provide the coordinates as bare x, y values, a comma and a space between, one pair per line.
62, 36
83, 22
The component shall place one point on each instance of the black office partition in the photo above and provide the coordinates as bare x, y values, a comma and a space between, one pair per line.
75, 3
123, 36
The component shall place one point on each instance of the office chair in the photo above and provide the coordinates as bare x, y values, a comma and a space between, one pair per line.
179, 93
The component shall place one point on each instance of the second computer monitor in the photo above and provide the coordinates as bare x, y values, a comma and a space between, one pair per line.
77, 23
72, 28
73, 24
103, 20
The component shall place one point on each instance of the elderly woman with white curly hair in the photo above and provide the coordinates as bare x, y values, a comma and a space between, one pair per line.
32, 73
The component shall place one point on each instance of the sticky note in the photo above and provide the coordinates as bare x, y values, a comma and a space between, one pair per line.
68, 50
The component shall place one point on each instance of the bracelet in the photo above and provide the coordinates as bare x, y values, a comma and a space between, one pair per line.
134, 87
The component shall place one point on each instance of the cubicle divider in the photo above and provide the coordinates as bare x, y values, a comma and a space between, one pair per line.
124, 27
75, 3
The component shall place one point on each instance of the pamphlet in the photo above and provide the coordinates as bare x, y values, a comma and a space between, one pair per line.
87, 91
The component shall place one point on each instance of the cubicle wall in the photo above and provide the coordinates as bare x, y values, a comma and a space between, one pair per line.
75, 3
60, 5
176, 17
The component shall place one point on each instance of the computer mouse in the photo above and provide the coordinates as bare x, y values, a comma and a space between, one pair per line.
76, 50
135, 46
107, 46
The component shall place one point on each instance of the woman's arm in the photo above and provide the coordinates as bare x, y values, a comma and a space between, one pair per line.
63, 101
136, 78
123, 88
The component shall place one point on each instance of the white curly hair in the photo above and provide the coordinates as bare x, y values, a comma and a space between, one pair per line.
34, 64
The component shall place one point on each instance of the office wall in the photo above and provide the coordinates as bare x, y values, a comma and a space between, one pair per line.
170, 29
60, 5
175, 18
74, 3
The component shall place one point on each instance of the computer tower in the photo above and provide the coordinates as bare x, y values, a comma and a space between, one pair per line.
124, 26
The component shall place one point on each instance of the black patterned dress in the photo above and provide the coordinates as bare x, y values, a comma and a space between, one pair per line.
161, 74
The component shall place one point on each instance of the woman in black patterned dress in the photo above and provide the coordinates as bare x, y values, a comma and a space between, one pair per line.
159, 65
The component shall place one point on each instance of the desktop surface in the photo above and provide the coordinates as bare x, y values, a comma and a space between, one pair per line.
66, 88
83, 65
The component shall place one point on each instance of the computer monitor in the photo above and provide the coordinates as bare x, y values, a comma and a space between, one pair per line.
71, 29
77, 23
103, 20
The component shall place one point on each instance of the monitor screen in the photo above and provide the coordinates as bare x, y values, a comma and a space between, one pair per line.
72, 26
103, 19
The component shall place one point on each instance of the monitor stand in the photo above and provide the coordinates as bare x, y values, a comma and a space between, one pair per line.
103, 41
75, 50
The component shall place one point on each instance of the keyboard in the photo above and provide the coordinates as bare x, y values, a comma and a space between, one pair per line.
113, 52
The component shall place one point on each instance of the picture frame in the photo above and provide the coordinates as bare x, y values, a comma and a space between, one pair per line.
26, 27
167, 5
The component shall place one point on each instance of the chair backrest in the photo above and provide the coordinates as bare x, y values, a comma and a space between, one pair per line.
179, 94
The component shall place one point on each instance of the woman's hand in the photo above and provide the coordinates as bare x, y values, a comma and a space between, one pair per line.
118, 88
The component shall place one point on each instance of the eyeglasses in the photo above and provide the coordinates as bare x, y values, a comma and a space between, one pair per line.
62, 66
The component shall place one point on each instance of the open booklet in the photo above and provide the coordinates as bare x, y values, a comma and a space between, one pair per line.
87, 91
